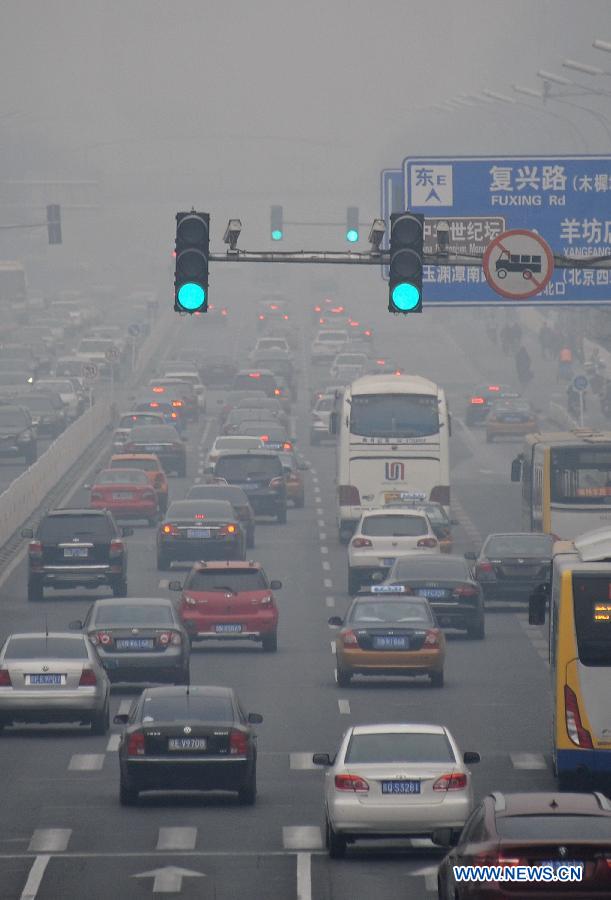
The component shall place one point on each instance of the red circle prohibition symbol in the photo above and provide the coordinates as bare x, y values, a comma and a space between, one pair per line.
538, 284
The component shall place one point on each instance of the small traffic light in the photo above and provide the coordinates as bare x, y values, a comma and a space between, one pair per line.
277, 232
406, 262
352, 224
192, 254
54, 223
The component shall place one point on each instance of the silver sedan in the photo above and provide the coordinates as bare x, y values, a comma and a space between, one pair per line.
55, 677
392, 781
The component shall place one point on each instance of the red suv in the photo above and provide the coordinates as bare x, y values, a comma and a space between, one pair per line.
230, 600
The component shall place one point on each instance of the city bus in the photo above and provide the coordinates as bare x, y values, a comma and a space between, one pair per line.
393, 435
566, 482
580, 657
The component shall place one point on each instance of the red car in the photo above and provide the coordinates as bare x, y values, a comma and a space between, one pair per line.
229, 600
127, 493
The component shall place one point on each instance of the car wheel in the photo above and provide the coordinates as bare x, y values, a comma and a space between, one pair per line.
336, 843
35, 591
127, 796
436, 679
476, 629
119, 588
247, 794
343, 677
354, 582
100, 722
281, 516
163, 563
270, 642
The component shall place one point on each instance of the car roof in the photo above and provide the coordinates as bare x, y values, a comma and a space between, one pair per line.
544, 803
395, 511
403, 727
202, 565
133, 601
76, 511
121, 456
200, 690
43, 634
211, 507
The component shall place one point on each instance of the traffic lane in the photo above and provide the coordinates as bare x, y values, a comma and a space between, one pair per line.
12, 467
392, 871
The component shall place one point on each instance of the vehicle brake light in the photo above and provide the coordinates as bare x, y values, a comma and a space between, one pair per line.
465, 590
176, 402
494, 387
431, 638
349, 638
88, 678
223, 312
381, 362
454, 781
35, 548
135, 744
153, 404
348, 495
264, 437
361, 542
199, 516
169, 637
102, 637
254, 374
96, 495
174, 415
351, 783
484, 567
261, 316
238, 743
495, 859
227, 529
317, 309
170, 529
367, 333
273, 306
5, 678
285, 317
477, 401
287, 445
427, 542
159, 390
574, 726
116, 548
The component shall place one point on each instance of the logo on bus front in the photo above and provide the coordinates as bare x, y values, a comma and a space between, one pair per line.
394, 471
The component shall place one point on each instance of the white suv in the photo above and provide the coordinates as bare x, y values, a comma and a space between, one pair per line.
327, 344
321, 416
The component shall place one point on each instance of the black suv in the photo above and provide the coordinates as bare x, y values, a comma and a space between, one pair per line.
77, 548
17, 433
260, 475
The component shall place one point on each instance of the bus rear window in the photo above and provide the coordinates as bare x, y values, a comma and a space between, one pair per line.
592, 607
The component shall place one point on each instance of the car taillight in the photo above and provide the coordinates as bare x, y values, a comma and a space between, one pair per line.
496, 859
348, 495
173, 415
169, 637
176, 402
277, 482
494, 387
88, 678
238, 743
223, 312
574, 726
361, 542
35, 549
266, 601
441, 494
135, 744
427, 542
170, 529
277, 392
351, 783
5, 678
484, 568
101, 637
116, 548
349, 638
261, 317
454, 781
228, 529
465, 590
477, 401
287, 445
285, 317
431, 639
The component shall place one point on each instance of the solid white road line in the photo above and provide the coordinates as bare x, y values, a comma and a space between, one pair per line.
124, 707
322, 536
301, 761
35, 877
301, 837
333, 647
344, 707
113, 743
50, 840
86, 762
528, 761
177, 838
304, 876
321, 523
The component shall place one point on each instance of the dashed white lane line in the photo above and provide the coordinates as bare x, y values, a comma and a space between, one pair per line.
163, 584
302, 761
50, 840
327, 582
344, 707
301, 837
113, 743
326, 565
321, 523
467, 523
319, 510
322, 536
177, 838
86, 762
324, 549
333, 647
37, 873
330, 601
304, 876
528, 761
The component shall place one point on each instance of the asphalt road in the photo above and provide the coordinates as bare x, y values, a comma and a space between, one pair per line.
63, 833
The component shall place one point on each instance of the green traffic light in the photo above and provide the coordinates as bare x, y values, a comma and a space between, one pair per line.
405, 297
352, 235
191, 296
276, 234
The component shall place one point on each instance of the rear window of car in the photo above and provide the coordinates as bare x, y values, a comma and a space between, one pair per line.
258, 381
226, 579
9, 417
147, 465
325, 405
399, 747
562, 828
233, 495
209, 509
241, 468
433, 567
519, 545
261, 429
237, 443
132, 615
55, 529
139, 419
394, 526
332, 336
122, 476
192, 708
408, 612
46, 648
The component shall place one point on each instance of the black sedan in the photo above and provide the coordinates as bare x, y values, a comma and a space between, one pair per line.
511, 566
448, 584
217, 371
482, 398
199, 529
164, 441
138, 639
194, 738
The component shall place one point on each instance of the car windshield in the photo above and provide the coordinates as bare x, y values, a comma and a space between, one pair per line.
245, 468
256, 380
437, 566
41, 647
226, 580
233, 495
10, 417
122, 476
191, 707
56, 529
332, 336
408, 612
132, 615
399, 747
519, 545
394, 526
394, 415
559, 828
240, 443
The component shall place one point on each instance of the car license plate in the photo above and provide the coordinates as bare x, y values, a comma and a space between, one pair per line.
153, 448
391, 642
388, 560
409, 786
134, 643
198, 532
76, 552
186, 743
556, 863
511, 419
432, 593
122, 495
228, 628
45, 679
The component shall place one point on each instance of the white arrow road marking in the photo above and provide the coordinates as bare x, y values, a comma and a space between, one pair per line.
113, 743
528, 761
35, 877
86, 762
169, 879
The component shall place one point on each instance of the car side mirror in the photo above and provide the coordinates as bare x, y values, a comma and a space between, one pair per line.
470, 555
121, 719
126, 530
516, 469
336, 621
470, 757
75, 625
175, 585
27, 532
537, 604
303, 464
445, 837
275, 585
255, 718
321, 759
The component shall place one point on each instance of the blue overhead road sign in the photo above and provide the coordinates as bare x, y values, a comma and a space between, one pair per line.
566, 199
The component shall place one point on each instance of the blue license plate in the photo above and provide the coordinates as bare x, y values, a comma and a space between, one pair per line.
408, 786
432, 593
228, 628
75, 552
388, 561
134, 643
153, 448
556, 863
391, 642
198, 532
511, 419
46, 679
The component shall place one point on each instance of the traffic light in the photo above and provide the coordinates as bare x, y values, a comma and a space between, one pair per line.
54, 223
352, 224
277, 231
406, 252
192, 254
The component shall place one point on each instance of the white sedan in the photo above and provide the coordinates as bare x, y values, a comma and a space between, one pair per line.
394, 781
381, 536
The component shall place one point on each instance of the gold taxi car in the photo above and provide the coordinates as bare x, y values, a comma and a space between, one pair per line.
513, 417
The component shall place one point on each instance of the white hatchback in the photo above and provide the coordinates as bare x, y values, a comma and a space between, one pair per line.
227, 442
393, 781
381, 536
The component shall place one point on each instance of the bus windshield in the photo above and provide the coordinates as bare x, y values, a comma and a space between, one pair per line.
592, 619
581, 475
394, 415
